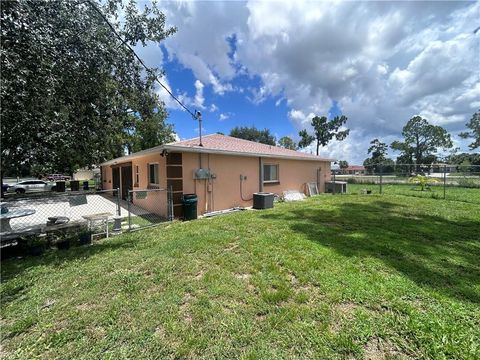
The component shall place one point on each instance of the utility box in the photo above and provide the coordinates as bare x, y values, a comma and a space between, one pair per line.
262, 200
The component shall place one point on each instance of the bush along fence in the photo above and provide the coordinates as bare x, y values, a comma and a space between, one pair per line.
40, 220
439, 181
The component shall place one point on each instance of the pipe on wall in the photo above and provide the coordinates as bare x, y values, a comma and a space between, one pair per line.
260, 174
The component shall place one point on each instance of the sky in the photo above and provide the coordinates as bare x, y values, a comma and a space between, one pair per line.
275, 65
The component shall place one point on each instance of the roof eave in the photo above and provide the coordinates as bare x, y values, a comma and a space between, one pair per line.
198, 149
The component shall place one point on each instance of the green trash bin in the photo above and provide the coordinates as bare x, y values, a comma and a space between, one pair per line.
189, 204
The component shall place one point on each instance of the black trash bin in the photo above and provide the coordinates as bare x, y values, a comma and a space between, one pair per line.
74, 185
85, 185
189, 203
60, 186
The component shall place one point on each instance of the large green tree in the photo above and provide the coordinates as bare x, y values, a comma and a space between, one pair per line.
287, 143
253, 134
324, 130
70, 87
421, 141
378, 157
474, 133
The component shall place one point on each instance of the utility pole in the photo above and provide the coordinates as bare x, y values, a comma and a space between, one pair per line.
198, 116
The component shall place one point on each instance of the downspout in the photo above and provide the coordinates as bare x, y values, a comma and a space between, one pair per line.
260, 174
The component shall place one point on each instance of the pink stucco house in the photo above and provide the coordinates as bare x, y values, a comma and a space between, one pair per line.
224, 172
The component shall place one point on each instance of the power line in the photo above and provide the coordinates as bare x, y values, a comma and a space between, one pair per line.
150, 71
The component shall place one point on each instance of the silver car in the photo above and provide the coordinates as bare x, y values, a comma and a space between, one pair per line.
31, 186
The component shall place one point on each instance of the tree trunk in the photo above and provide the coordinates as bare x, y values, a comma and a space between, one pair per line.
318, 145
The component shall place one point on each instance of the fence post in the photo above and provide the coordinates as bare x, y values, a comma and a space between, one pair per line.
129, 198
381, 179
118, 202
444, 182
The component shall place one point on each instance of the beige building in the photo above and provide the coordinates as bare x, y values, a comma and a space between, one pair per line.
224, 172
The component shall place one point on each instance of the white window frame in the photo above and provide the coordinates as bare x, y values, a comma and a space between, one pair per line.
157, 165
271, 181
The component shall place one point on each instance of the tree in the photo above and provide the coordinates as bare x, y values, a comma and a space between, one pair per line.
378, 151
287, 143
324, 131
70, 86
474, 126
253, 134
421, 141
343, 164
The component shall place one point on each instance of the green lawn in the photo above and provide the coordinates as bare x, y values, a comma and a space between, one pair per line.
453, 193
332, 277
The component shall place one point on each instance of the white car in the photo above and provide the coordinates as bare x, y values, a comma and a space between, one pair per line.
31, 186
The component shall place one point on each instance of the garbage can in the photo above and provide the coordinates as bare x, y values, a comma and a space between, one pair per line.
189, 204
85, 185
263, 200
60, 186
74, 185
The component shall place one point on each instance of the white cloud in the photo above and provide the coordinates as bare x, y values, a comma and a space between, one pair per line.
213, 108
199, 98
223, 117
382, 62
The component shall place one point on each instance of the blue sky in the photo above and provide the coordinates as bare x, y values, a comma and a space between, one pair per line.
277, 64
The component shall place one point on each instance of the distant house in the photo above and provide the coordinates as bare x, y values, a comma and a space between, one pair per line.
354, 170
224, 172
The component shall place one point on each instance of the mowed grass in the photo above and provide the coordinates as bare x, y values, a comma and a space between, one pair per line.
452, 193
332, 277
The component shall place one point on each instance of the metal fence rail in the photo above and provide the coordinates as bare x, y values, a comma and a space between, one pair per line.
441, 181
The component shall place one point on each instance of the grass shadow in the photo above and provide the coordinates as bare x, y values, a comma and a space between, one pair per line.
432, 251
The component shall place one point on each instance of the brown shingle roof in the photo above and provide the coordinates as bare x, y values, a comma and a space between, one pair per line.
229, 144
222, 144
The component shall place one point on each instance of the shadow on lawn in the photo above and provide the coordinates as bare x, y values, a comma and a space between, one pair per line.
52, 261
432, 251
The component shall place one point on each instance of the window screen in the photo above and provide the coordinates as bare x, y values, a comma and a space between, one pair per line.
153, 174
270, 172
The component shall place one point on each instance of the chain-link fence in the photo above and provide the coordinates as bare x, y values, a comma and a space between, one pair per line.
80, 216
149, 207
439, 181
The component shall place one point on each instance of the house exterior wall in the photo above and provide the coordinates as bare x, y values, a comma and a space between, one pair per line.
223, 191
155, 201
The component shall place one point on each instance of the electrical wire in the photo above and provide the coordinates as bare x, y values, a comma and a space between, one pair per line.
241, 192
150, 71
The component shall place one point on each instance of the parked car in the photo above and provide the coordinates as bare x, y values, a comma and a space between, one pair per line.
5, 187
58, 177
31, 186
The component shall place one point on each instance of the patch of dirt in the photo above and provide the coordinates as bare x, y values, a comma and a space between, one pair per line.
199, 275
85, 307
293, 279
159, 332
346, 308
96, 333
187, 317
3, 353
232, 247
243, 276
48, 304
378, 348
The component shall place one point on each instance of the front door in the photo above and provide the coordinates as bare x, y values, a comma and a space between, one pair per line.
126, 181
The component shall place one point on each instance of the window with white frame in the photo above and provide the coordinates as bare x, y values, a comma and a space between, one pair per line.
153, 178
270, 173
137, 175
